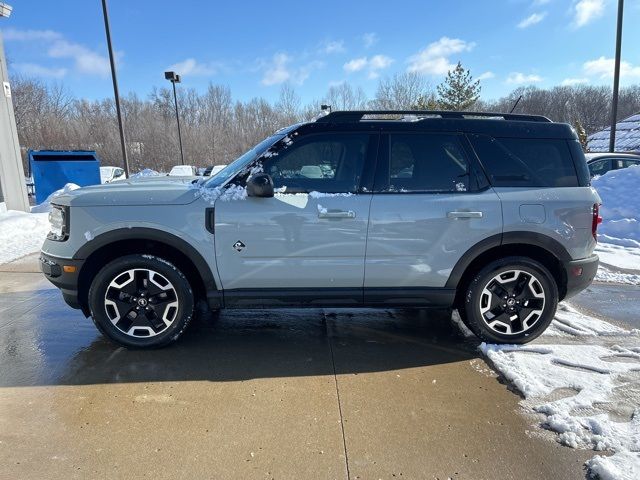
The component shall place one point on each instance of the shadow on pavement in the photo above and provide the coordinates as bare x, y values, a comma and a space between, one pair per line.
43, 342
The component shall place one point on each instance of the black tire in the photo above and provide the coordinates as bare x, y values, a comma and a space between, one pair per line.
120, 291
524, 315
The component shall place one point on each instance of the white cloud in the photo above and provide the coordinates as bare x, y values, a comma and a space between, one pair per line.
35, 70
369, 39
355, 65
333, 46
85, 60
11, 34
434, 59
373, 65
586, 11
486, 76
532, 20
280, 70
191, 67
603, 68
518, 78
570, 82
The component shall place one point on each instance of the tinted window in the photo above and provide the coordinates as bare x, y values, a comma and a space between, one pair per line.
426, 163
324, 163
525, 162
600, 167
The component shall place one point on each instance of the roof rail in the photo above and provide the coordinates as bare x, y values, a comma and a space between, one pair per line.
353, 116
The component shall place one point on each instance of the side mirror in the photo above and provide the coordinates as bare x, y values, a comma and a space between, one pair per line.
260, 185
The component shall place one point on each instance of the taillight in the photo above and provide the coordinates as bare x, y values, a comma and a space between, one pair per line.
597, 220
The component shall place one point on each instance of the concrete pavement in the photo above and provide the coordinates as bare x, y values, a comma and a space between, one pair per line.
257, 394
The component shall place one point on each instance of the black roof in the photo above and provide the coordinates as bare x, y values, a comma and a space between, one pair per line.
487, 123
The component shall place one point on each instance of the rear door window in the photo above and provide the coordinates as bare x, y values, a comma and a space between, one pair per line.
426, 163
600, 167
625, 162
526, 162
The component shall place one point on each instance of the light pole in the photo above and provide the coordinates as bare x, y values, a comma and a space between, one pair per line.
123, 143
13, 189
616, 80
174, 78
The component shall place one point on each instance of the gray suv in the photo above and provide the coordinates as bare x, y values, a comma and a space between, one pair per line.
491, 214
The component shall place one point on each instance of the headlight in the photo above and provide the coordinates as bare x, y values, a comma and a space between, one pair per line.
58, 221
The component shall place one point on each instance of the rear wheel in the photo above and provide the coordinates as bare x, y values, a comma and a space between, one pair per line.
512, 300
141, 301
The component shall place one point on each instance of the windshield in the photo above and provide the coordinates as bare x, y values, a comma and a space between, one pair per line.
239, 163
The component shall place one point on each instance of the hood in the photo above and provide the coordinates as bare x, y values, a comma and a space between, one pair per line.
151, 191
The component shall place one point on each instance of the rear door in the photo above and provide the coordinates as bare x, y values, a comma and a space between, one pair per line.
430, 205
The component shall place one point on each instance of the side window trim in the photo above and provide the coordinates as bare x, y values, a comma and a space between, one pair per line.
382, 176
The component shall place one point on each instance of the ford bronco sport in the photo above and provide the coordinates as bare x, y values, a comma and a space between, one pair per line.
491, 214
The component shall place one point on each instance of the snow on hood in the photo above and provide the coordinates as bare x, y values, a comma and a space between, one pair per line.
150, 191
46, 205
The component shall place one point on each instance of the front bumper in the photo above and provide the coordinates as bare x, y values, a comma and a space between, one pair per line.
66, 279
580, 274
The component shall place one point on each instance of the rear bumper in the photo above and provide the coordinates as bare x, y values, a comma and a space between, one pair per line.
63, 278
580, 274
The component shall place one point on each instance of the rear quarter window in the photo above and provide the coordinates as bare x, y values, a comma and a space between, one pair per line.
526, 162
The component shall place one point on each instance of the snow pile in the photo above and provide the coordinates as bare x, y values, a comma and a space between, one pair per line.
622, 466
147, 172
587, 393
620, 206
21, 234
608, 276
46, 205
620, 257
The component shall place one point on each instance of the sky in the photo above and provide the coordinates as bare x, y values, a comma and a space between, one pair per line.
255, 47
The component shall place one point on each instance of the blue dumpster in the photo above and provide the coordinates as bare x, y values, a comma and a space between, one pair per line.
53, 169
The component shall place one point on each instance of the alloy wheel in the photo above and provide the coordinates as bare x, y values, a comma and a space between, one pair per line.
141, 302
512, 302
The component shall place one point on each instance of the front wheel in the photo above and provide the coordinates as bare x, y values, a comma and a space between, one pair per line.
512, 300
141, 301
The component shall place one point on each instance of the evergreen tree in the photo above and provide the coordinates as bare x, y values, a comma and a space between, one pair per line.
459, 91
582, 135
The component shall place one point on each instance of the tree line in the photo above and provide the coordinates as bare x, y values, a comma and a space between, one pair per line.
216, 128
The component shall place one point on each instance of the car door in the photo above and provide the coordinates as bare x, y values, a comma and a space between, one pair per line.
307, 243
429, 207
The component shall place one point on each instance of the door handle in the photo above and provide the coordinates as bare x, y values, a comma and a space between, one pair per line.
337, 214
458, 214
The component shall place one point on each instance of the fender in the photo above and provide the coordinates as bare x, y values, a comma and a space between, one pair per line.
140, 233
507, 238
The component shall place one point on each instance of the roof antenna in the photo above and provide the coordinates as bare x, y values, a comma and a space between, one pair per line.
516, 104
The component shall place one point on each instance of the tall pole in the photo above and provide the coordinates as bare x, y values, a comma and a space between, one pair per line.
616, 80
123, 143
175, 100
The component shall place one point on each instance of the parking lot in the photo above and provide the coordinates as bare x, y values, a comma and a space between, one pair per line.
257, 394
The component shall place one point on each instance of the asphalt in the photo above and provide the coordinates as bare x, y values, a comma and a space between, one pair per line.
257, 394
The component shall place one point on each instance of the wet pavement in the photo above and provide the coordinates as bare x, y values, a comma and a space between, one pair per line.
257, 394
618, 304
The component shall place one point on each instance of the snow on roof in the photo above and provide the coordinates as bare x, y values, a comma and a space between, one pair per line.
627, 136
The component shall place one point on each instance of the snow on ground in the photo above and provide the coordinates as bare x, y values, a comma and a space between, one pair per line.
606, 275
21, 234
620, 257
584, 385
620, 206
